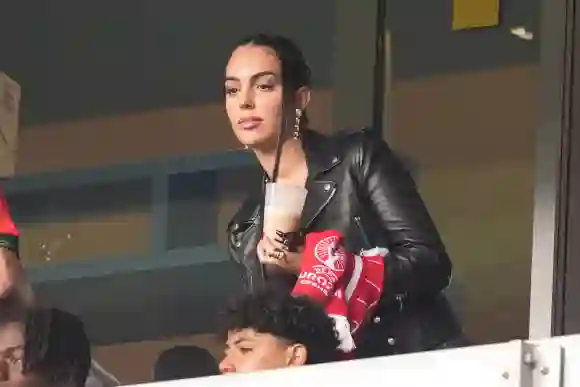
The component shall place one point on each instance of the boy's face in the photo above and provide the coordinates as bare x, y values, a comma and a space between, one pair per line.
12, 340
248, 350
11, 353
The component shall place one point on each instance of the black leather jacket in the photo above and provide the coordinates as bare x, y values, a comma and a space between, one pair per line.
357, 186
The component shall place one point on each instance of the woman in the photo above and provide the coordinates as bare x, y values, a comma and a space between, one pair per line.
355, 186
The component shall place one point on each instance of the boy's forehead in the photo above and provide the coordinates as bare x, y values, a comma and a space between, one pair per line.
241, 334
248, 334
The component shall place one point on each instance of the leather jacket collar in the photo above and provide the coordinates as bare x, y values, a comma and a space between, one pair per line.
322, 153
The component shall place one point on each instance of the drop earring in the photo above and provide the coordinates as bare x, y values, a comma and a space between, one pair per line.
296, 134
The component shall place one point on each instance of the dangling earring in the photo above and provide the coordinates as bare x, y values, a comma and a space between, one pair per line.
296, 134
246, 147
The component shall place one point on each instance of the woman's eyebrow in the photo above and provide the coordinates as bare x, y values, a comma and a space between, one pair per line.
253, 77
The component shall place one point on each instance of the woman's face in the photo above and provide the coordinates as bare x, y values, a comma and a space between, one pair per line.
254, 95
253, 89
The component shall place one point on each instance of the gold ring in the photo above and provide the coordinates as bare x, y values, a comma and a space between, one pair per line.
277, 254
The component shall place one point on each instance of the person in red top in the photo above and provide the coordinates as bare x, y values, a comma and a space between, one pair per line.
11, 270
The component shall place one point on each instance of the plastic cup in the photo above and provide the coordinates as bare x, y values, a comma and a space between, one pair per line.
283, 208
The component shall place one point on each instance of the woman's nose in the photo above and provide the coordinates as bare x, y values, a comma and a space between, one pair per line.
247, 100
226, 366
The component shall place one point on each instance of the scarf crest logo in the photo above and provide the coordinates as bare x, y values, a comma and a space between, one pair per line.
330, 253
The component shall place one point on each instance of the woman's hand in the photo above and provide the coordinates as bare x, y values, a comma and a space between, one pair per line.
276, 252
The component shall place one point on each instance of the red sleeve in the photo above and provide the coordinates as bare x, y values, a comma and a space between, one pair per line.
8, 232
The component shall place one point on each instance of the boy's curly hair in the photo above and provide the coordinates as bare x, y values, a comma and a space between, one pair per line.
295, 319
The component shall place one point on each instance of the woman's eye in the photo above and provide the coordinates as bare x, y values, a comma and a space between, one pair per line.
245, 350
265, 87
231, 90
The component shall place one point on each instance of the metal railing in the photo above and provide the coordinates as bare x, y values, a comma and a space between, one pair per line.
548, 363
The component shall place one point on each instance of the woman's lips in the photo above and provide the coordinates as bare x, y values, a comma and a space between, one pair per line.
250, 123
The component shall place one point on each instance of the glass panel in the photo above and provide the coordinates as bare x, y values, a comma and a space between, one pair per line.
138, 89
147, 352
571, 277
192, 196
81, 224
234, 185
210, 197
464, 112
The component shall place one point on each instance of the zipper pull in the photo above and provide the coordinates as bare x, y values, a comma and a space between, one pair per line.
400, 300
362, 232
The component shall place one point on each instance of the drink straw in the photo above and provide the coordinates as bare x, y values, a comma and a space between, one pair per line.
272, 269
279, 144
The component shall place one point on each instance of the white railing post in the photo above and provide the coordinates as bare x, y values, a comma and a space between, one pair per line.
546, 361
557, 362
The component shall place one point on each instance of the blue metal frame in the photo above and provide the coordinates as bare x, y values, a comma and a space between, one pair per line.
109, 266
158, 171
78, 177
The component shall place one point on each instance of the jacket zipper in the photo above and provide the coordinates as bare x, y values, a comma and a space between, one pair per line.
260, 266
249, 277
364, 235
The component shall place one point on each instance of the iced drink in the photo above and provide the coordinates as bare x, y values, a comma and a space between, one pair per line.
283, 210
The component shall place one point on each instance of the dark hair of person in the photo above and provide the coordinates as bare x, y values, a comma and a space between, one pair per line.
184, 362
295, 70
295, 319
57, 347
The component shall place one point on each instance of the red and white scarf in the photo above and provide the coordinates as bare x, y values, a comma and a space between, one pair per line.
348, 285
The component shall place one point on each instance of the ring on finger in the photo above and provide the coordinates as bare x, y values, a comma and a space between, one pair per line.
277, 254
285, 242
